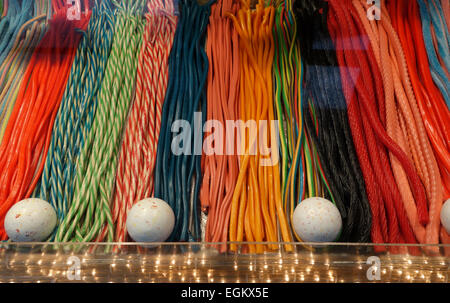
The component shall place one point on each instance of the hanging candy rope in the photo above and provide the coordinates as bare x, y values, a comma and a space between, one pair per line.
89, 213
221, 165
15, 62
178, 163
438, 183
288, 72
404, 124
332, 134
77, 110
363, 92
437, 42
27, 136
134, 179
433, 109
257, 198
19, 12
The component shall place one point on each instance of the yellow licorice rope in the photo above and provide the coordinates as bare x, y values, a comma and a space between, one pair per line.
257, 198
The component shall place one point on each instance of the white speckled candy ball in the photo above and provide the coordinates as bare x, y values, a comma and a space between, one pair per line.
30, 220
445, 216
317, 220
150, 220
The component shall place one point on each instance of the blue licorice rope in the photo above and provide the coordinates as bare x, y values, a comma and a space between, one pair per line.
19, 12
77, 110
437, 72
178, 177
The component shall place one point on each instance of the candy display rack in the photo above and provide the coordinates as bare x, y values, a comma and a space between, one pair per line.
199, 262
357, 94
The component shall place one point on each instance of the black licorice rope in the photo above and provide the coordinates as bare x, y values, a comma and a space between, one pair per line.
178, 175
332, 136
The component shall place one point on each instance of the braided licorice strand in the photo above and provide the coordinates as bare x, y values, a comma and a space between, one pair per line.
429, 171
17, 15
138, 148
77, 208
124, 101
125, 97
76, 112
373, 127
95, 178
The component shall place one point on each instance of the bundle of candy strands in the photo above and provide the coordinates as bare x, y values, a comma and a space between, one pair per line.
260, 121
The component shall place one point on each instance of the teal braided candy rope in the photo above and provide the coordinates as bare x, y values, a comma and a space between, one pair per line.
110, 160
77, 110
96, 165
18, 14
125, 97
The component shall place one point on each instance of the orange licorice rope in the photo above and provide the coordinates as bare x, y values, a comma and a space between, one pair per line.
220, 164
27, 135
257, 196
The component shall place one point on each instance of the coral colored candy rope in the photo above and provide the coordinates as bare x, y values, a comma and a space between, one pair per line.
220, 167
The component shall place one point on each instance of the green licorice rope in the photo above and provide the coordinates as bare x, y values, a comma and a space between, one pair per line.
89, 216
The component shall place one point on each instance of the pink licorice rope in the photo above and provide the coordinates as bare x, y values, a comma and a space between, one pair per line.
134, 180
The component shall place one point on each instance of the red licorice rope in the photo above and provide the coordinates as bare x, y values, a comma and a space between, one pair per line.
401, 104
378, 40
432, 106
27, 135
433, 109
359, 72
379, 223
